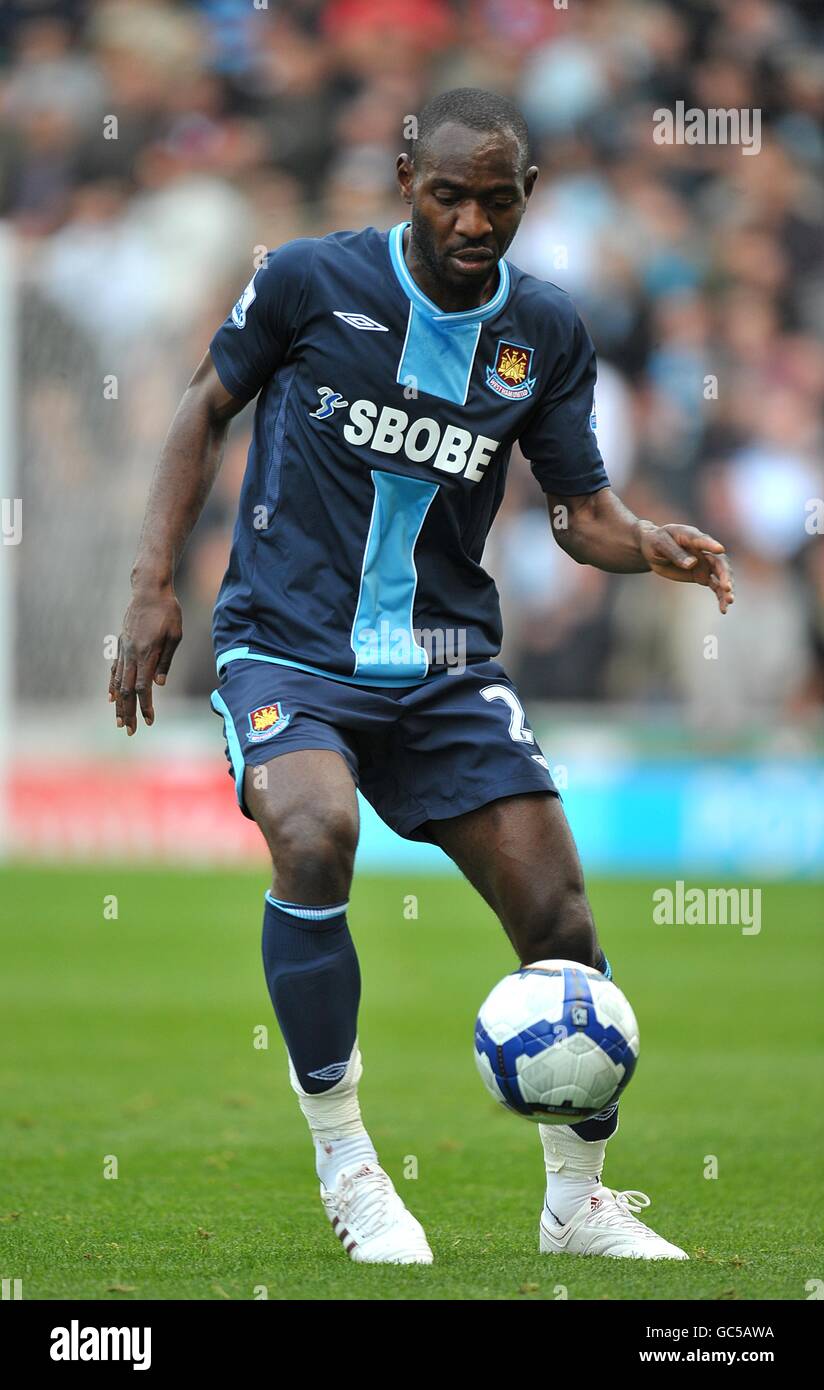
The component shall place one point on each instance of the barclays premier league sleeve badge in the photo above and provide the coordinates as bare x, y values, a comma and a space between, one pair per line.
246, 299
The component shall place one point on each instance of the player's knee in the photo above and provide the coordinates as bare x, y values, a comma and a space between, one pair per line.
313, 852
558, 926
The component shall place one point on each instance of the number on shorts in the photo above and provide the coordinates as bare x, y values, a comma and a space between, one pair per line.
517, 718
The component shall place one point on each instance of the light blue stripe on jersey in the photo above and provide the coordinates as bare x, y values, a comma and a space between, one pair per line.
382, 637
438, 359
439, 349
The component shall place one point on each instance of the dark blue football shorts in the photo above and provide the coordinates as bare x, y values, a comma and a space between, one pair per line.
418, 753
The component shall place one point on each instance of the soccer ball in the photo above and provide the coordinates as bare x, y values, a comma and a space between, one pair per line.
556, 1042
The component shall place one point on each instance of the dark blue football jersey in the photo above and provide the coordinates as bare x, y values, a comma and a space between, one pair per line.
378, 461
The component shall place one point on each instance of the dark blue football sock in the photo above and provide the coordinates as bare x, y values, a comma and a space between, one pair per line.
314, 982
601, 1126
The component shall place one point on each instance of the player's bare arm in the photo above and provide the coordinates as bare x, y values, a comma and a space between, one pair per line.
599, 530
186, 470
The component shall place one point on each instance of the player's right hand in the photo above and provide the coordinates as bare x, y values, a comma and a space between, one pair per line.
152, 629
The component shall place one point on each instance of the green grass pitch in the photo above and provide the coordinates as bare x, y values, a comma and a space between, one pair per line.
133, 1038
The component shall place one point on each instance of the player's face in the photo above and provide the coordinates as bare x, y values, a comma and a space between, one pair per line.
467, 198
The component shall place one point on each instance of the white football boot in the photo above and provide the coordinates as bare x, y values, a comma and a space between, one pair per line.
371, 1221
605, 1224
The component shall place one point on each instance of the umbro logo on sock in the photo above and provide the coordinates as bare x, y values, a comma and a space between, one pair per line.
333, 1072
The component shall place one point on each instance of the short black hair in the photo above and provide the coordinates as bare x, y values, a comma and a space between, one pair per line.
477, 109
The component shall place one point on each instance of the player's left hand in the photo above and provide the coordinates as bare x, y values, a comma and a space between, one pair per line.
689, 556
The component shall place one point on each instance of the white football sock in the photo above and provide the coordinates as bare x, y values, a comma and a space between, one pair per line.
573, 1169
334, 1119
333, 1156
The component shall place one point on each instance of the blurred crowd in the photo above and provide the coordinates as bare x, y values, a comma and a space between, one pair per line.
149, 150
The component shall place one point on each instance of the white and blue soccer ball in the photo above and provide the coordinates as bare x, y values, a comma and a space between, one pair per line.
556, 1042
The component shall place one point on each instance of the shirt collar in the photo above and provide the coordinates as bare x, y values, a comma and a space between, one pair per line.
425, 305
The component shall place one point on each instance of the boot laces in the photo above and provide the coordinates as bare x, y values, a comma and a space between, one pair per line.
626, 1205
362, 1199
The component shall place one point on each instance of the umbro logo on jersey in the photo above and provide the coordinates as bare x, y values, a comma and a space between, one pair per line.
330, 401
360, 321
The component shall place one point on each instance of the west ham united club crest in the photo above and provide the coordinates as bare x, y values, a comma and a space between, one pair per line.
510, 374
266, 721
